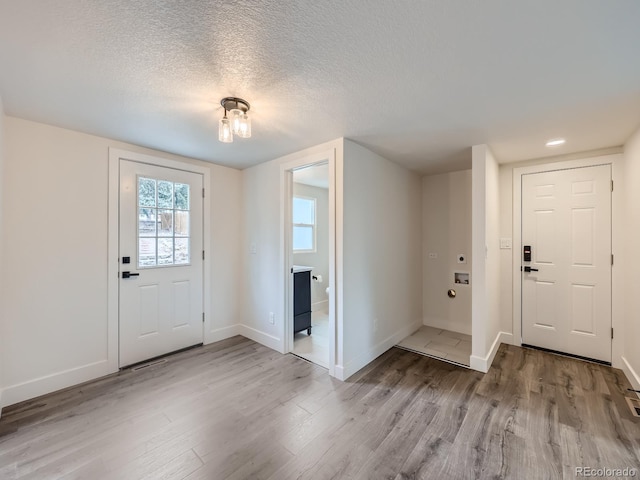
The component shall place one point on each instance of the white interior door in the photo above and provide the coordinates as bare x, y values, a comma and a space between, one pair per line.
161, 261
566, 220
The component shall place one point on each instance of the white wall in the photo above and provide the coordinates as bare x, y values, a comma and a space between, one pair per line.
382, 286
319, 259
486, 333
631, 351
55, 264
446, 232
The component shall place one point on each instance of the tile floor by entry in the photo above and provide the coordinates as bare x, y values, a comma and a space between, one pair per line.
435, 342
314, 347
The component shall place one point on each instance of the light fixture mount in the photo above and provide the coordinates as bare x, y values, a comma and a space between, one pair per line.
235, 103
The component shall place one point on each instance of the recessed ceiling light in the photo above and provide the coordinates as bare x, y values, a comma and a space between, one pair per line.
556, 143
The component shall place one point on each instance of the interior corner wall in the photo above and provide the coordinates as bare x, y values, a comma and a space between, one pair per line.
55, 268
631, 355
382, 285
319, 259
446, 233
486, 333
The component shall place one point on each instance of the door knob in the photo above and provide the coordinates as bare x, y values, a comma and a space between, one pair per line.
129, 274
528, 269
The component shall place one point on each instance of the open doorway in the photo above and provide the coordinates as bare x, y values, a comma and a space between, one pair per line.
310, 251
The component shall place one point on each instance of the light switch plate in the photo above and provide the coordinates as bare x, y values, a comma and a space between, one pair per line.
505, 243
253, 249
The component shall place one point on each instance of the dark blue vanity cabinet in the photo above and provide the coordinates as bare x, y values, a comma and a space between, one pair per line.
302, 301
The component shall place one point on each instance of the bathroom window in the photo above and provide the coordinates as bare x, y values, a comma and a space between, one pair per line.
304, 224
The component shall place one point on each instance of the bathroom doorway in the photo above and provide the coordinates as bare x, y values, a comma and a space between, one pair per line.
309, 223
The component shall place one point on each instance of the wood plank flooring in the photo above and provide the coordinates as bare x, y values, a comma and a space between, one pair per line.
237, 410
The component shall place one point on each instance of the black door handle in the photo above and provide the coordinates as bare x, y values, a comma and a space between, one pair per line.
129, 274
529, 269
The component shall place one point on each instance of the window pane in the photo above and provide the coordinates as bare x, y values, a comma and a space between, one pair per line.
165, 223
165, 194
182, 251
302, 238
146, 252
146, 192
182, 196
303, 210
165, 251
181, 225
147, 222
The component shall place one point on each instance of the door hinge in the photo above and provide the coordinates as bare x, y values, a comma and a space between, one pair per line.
203, 254
203, 193
612, 259
202, 317
612, 185
611, 332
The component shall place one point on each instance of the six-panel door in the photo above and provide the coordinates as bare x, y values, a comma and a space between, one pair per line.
566, 219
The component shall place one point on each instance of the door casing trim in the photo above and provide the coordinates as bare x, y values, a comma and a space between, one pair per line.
617, 279
115, 155
329, 157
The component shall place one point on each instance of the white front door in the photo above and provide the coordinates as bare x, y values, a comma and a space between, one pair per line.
566, 297
161, 265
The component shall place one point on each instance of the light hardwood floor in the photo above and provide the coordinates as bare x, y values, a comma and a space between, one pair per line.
238, 410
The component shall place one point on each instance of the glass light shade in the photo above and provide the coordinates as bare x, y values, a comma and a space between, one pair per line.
234, 116
244, 130
225, 133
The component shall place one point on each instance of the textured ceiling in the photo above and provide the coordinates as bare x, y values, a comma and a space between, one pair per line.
417, 81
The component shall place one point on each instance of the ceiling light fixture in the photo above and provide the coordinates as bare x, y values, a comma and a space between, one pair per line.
556, 143
239, 122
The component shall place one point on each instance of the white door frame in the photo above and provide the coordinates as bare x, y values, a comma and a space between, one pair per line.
617, 279
113, 260
286, 191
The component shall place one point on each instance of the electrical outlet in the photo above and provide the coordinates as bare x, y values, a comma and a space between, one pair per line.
375, 324
272, 318
252, 248
433, 255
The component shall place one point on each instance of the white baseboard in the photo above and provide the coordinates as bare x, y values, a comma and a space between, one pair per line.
631, 374
448, 325
482, 364
345, 371
322, 305
56, 381
222, 334
263, 338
